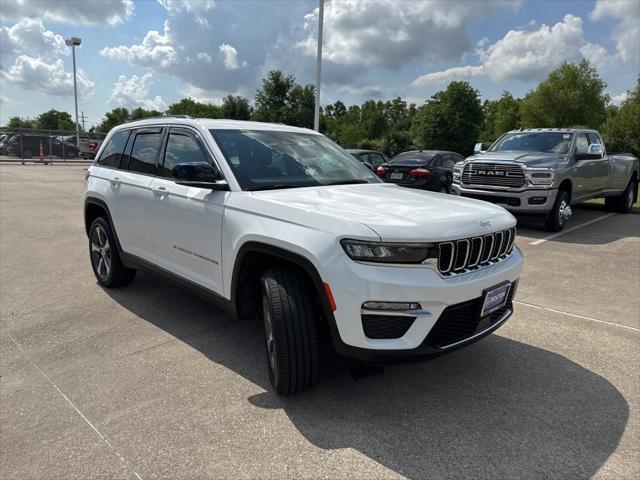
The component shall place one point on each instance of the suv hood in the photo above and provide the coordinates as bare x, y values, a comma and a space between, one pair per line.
530, 159
394, 213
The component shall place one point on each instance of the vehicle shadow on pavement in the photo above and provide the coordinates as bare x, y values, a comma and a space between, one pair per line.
607, 230
497, 409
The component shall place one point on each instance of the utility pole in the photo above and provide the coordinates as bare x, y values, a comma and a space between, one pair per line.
73, 42
316, 117
83, 118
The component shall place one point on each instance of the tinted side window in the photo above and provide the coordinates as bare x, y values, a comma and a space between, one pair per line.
181, 148
582, 144
448, 161
436, 162
145, 152
594, 138
376, 160
113, 149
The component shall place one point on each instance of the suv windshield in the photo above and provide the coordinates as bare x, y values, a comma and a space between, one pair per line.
264, 160
549, 142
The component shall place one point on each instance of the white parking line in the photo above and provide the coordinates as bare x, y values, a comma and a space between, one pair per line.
104, 439
568, 230
575, 315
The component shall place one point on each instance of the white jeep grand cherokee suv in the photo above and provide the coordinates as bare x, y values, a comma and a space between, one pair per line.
280, 222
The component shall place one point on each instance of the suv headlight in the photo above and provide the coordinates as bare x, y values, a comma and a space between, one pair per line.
379, 252
542, 177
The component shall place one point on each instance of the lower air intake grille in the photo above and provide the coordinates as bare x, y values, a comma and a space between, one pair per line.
462, 320
386, 326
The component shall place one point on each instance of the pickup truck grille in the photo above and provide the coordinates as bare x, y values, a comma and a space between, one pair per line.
464, 255
495, 174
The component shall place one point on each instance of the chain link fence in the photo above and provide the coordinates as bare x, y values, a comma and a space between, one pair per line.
22, 145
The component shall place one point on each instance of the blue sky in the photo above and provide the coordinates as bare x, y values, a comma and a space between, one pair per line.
151, 53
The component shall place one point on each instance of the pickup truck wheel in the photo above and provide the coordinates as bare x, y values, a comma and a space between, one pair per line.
105, 259
623, 203
560, 213
291, 336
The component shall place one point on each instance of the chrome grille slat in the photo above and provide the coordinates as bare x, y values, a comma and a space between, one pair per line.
513, 174
461, 258
466, 254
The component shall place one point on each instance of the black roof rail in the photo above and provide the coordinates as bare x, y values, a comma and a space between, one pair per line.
159, 116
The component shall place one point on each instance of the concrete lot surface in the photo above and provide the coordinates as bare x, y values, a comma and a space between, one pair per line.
150, 382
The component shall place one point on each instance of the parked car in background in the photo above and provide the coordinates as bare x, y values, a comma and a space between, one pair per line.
28, 145
4, 141
425, 169
543, 171
371, 159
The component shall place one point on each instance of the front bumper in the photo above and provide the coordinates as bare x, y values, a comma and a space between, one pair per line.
534, 201
354, 283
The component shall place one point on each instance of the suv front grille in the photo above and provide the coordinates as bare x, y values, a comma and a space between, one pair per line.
463, 320
495, 174
460, 256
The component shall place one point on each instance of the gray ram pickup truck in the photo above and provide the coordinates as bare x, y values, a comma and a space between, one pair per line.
543, 171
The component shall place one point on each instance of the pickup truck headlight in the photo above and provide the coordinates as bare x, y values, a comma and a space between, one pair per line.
457, 172
378, 252
539, 177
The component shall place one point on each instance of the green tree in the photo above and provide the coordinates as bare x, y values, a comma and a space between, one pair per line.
19, 122
115, 117
236, 108
449, 120
188, 106
282, 100
138, 113
572, 95
55, 120
622, 129
500, 116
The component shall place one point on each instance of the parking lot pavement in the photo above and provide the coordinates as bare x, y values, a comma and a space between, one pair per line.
149, 382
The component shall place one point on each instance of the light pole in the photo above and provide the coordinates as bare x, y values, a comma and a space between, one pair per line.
316, 117
73, 42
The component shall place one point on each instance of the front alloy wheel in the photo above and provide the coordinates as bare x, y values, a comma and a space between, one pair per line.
100, 253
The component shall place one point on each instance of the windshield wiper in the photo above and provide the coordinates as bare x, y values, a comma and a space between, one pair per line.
347, 182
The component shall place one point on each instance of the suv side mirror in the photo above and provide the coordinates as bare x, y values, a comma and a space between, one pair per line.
202, 175
478, 148
594, 152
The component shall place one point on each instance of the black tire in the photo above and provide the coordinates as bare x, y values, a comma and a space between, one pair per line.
556, 219
71, 154
291, 334
105, 259
27, 153
624, 202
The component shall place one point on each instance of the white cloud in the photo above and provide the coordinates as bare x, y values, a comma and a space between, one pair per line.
626, 33
191, 6
449, 74
204, 96
617, 99
528, 55
75, 12
134, 91
156, 50
229, 56
35, 73
30, 36
389, 33
204, 57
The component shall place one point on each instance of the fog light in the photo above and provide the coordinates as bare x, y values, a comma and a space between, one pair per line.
537, 200
391, 306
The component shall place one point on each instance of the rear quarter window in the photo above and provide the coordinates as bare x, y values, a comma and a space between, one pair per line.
113, 150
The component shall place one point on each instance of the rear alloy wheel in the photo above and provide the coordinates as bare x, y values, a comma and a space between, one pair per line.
27, 153
70, 154
560, 213
290, 329
105, 259
623, 203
